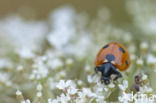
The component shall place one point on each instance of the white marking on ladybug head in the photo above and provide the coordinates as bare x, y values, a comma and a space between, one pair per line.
105, 61
113, 62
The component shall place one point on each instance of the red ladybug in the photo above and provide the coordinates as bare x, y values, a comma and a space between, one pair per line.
111, 57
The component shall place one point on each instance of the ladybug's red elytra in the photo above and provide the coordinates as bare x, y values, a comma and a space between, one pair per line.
111, 57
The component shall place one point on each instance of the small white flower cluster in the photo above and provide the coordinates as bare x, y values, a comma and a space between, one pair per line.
5, 79
21, 98
123, 86
5, 63
40, 70
145, 88
71, 93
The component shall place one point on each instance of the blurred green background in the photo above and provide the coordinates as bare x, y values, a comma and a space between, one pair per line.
42, 8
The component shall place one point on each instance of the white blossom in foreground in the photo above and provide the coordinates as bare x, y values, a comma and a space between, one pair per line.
63, 85
123, 86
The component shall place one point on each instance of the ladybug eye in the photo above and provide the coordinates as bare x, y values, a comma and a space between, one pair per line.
121, 50
126, 62
106, 46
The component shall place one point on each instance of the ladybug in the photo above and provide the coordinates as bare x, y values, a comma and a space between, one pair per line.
112, 58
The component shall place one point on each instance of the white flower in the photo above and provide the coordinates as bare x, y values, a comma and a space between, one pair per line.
100, 99
93, 79
127, 37
99, 89
4, 77
18, 93
53, 101
125, 98
111, 85
55, 63
144, 45
106, 89
82, 45
80, 82
52, 83
144, 77
71, 91
62, 17
62, 84
139, 62
25, 53
23, 101
40, 69
43, 71
87, 68
39, 87
100, 86
123, 86
49, 101
151, 59
5, 63
23, 34
90, 80
69, 61
28, 101
44, 58
86, 92
8, 83
146, 89
20, 68
64, 98
32, 76
132, 48
39, 94
133, 57
61, 74
63, 28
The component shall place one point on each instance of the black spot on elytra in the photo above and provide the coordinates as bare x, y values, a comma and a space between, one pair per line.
126, 62
106, 46
123, 51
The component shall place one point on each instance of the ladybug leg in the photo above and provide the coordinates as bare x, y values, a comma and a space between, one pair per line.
118, 76
98, 69
114, 71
